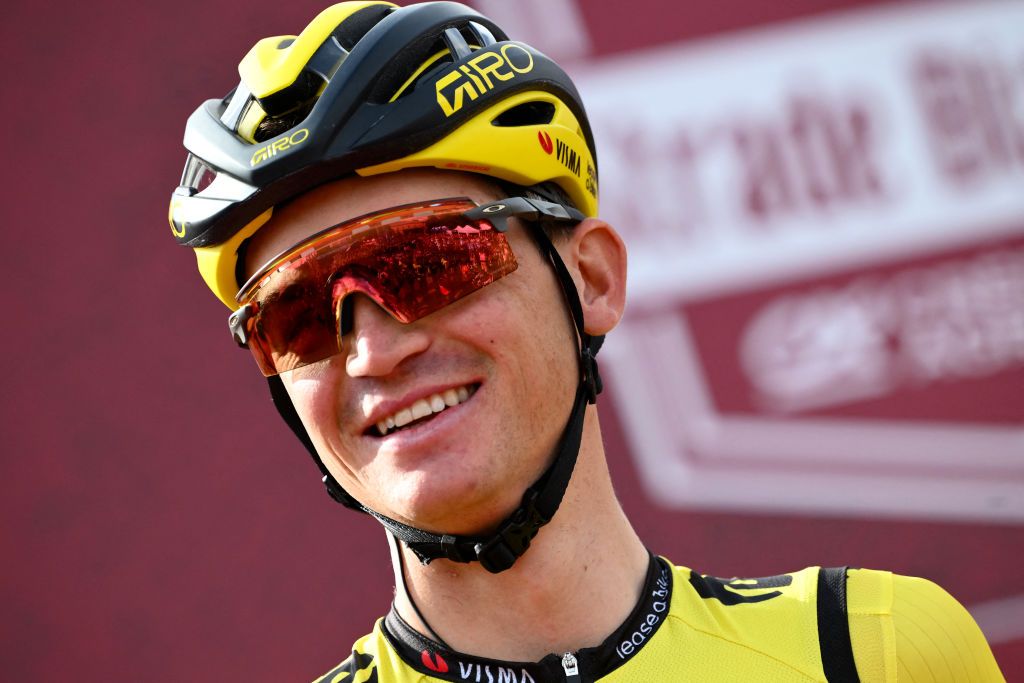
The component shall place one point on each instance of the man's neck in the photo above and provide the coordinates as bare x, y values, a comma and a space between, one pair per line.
576, 584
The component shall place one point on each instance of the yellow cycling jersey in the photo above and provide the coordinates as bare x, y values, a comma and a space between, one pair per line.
811, 625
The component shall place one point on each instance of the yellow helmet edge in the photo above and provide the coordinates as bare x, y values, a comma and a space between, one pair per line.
217, 263
267, 68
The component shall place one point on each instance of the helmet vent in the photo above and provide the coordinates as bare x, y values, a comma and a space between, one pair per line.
197, 176
399, 71
294, 96
272, 126
480, 35
526, 114
352, 30
457, 44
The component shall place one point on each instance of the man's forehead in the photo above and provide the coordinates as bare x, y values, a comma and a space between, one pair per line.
341, 200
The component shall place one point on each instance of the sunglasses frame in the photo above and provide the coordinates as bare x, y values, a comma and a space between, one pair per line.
496, 213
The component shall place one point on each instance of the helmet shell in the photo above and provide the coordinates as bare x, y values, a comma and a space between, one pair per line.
369, 88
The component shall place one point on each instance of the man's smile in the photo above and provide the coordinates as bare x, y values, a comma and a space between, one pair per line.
421, 410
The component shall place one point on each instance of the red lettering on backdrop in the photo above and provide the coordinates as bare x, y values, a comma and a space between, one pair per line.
768, 187
969, 105
819, 155
834, 145
814, 154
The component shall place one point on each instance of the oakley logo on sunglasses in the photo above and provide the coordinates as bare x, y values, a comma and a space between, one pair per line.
279, 145
494, 208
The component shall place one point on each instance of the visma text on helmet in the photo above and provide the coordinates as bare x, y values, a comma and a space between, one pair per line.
279, 145
474, 78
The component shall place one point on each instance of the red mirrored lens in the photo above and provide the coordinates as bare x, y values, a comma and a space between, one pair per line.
412, 261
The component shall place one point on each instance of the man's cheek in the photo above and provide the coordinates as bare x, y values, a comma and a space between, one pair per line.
312, 393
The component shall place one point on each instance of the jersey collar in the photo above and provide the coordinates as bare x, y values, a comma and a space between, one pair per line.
432, 659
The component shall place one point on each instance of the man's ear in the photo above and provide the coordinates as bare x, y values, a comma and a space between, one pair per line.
596, 258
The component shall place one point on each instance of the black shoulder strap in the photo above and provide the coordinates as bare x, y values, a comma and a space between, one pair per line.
833, 627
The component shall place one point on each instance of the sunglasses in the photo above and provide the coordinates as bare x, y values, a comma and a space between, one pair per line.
411, 260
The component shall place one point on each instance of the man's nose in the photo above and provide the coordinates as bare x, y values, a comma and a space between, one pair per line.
377, 343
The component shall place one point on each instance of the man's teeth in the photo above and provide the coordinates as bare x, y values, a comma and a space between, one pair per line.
434, 403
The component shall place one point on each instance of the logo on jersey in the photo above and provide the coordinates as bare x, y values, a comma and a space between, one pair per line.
434, 661
726, 591
358, 666
645, 628
486, 673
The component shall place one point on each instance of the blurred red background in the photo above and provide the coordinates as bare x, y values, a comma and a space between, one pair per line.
159, 520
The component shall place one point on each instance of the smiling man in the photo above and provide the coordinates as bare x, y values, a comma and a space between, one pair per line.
399, 206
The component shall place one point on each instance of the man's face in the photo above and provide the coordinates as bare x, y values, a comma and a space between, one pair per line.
510, 347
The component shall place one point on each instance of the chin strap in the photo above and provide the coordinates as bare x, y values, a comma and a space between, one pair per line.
499, 550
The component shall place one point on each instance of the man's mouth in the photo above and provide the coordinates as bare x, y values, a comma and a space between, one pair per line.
424, 409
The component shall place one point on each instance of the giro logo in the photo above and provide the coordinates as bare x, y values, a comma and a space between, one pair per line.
281, 144
480, 75
434, 662
545, 142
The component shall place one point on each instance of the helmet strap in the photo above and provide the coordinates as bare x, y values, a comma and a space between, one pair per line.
398, 561
283, 403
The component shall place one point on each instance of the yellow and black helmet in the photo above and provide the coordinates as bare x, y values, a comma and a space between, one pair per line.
368, 88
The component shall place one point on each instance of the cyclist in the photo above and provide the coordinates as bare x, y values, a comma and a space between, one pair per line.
399, 206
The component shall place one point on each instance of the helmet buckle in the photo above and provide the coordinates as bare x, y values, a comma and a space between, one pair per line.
513, 538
